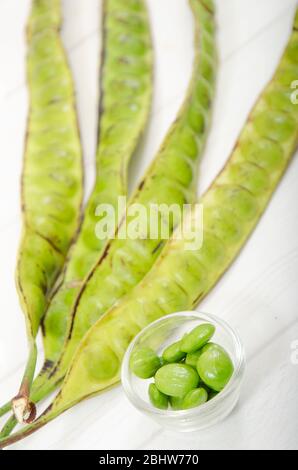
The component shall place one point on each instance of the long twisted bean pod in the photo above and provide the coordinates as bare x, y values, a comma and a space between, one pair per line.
171, 179
52, 173
181, 278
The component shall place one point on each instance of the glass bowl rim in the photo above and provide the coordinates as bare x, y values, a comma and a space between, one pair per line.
239, 365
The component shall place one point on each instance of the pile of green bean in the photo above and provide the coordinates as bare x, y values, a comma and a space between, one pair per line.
92, 296
190, 371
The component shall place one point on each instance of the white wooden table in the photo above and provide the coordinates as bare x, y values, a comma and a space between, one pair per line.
258, 295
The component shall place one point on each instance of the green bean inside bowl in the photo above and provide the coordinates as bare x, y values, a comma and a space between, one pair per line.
199, 363
195, 382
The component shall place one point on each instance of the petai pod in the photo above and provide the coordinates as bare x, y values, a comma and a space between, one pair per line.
181, 277
52, 172
126, 89
170, 180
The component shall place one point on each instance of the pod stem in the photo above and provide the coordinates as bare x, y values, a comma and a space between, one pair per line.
25, 410
37, 396
5, 408
46, 417
8, 427
27, 380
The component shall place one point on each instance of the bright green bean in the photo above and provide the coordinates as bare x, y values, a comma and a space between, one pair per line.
215, 367
176, 380
144, 362
197, 338
194, 398
192, 358
173, 353
157, 398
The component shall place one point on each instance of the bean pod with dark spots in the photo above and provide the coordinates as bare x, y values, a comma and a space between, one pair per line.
52, 175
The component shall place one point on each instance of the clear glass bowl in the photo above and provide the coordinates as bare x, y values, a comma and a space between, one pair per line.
158, 336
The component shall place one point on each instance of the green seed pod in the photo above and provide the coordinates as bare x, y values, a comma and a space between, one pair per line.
157, 398
173, 353
194, 398
54, 149
176, 380
144, 363
197, 338
215, 367
51, 191
51, 198
192, 358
